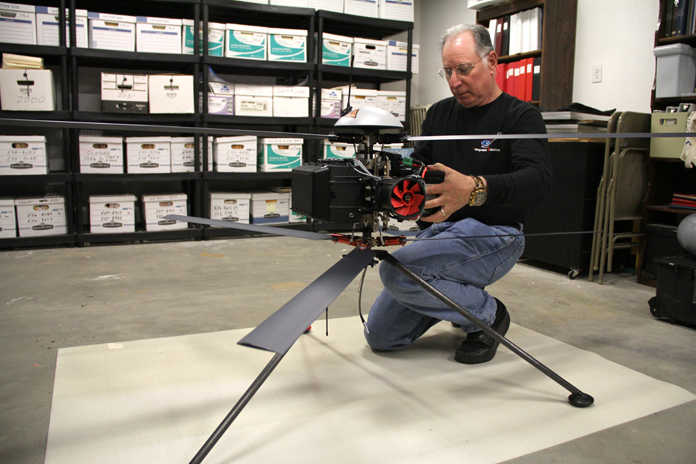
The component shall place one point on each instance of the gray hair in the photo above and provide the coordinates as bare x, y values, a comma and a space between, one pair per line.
482, 38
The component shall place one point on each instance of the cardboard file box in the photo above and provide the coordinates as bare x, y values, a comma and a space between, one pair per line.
336, 50
338, 150
290, 101
216, 38
27, 90
361, 7
111, 32
360, 98
368, 53
233, 207
236, 154
8, 225
170, 93
292, 3
399, 10
157, 35
124, 93
47, 21
18, 23
393, 101
287, 45
41, 216
247, 42
396, 56
220, 98
331, 103
148, 155
23, 154
667, 122
327, 5
269, 208
101, 155
253, 100
183, 154
110, 214
158, 206
279, 154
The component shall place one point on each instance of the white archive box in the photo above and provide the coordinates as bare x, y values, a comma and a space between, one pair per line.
111, 31
291, 101
170, 93
23, 155
287, 45
221, 98
148, 155
27, 90
396, 56
370, 53
253, 100
393, 101
336, 50
158, 206
8, 224
327, 5
279, 154
338, 150
361, 7
293, 3
18, 23
111, 214
399, 10
359, 98
101, 155
47, 21
216, 38
331, 103
157, 35
230, 206
183, 154
248, 42
124, 93
41, 216
269, 208
236, 154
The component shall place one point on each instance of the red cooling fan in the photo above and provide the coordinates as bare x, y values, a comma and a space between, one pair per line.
407, 198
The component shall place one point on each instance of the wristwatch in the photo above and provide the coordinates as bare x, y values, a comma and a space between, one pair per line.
479, 194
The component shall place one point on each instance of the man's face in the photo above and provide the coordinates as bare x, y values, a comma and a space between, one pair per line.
478, 86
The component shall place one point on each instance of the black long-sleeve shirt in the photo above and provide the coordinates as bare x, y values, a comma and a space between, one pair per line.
518, 172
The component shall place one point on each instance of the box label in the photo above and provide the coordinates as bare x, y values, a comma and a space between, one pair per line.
246, 44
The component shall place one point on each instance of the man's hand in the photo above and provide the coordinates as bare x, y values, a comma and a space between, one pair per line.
452, 194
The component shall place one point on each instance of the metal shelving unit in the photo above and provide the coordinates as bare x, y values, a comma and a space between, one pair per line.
74, 116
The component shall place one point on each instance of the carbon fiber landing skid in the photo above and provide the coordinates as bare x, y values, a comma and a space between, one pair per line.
280, 331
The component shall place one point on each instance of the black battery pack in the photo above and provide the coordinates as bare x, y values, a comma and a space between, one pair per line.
675, 300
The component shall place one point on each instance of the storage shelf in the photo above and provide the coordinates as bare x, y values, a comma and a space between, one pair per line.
686, 39
245, 176
37, 242
33, 115
669, 209
167, 177
257, 66
221, 232
140, 236
33, 50
671, 101
95, 116
353, 25
262, 120
55, 178
125, 59
341, 73
519, 56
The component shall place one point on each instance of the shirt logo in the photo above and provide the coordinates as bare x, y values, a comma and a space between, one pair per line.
486, 145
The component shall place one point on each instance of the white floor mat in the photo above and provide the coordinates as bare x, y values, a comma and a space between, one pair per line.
331, 400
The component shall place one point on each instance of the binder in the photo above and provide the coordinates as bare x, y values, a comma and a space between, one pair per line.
679, 16
509, 78
498, 36
536, 78
528, 78
535, 29
506, 35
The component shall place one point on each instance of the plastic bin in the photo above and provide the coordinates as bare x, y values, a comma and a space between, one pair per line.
676, 70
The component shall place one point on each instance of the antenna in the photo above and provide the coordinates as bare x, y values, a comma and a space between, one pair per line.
349, 108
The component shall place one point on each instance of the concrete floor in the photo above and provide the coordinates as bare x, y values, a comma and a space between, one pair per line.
78, 296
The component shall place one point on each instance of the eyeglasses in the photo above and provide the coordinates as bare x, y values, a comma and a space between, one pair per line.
461, 70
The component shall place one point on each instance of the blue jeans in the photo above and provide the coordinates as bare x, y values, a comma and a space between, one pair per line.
458, 266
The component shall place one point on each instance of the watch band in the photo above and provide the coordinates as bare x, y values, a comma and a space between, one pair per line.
479, 193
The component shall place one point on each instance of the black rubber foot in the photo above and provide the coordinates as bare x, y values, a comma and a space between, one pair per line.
580, 400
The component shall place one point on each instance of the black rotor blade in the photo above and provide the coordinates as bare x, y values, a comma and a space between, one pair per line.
282, 328
568, 135
250, 227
